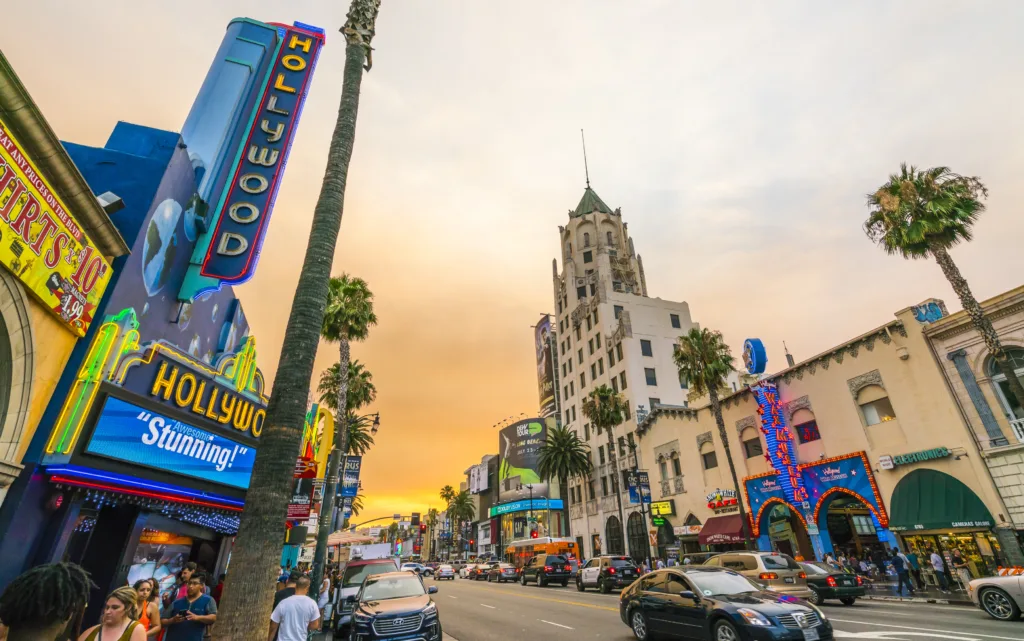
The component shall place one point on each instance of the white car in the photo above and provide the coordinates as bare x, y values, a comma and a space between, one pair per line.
445, 572
1002, 597
416, 568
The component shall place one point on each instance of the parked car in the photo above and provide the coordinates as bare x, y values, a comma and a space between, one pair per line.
574, 567
465, 570
445, 572
418, 568
501, 572
827, 582
479, 572
395, 605
607, 572
775, 571
545, 568
1002, 597
706, 602
356, 571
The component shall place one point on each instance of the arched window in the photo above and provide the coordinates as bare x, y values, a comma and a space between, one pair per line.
663, 467
677, 469
610, 240
1009, 401
586, 240
708, 457
613, 536
639, 543
751, 443
875, 406
805, 426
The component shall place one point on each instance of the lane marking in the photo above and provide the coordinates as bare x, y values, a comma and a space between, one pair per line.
452, 597
489, 606
887, 613
906, 627
550, 600
556, 624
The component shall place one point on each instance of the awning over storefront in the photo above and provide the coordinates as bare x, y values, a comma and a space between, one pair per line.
722, 529
345, 538
931, 500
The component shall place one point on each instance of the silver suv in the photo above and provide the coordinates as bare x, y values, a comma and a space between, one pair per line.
776, 572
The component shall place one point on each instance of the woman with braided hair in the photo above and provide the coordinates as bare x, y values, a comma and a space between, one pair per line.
119, 621
41, 603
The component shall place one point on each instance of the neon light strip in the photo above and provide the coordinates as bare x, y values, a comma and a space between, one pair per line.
74, 470
85, 377
152, 495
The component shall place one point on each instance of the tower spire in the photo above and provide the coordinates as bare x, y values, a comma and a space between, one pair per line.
586, 170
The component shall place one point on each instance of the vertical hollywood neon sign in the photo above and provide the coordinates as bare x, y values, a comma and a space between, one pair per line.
779, 439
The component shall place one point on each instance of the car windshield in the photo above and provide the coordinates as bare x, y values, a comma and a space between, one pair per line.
713, 583
622, 562
392, 587
555, 558
354, 576
817, 568
779, 562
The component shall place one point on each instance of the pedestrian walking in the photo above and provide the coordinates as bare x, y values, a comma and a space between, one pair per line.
295, 616
119, 620
940, 570
149, 612
660, 564
47, 602
960, 567
188, 617
902, 575
325, 594
289, 587
915, 568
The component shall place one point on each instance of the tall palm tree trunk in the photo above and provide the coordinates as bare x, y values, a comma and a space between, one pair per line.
249, 590
615, 488
336, 462
716, 408
563, 491
981, 322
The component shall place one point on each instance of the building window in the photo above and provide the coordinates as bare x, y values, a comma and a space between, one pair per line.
559, 311
600, 366
682, 382
579, 334
572, 389
1006, 397
586, 240
593, 289
600, 454
615, 385
588, 257
581, 292
875, 405
618, 311
604, 486
566, 395
567, 417
651, 376
563, 370
653, 401
597, 339
808, 432
622, 379
675, 321
588, 322
753, 448
579, 355
616, 286
622, 446
573, 412
583, 380
586, 431
609, 237
595, 317
710, 460
663, 469
593, 371
618, 351
611, 358
625, 410
590, 347
677, 469
590, 490
645, 347
570, 364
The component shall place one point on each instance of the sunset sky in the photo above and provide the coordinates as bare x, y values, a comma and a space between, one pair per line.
739, 138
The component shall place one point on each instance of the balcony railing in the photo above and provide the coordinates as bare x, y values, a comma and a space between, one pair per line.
677, 483
666, 488
1017, 425
672, 486
608, 503
592, 508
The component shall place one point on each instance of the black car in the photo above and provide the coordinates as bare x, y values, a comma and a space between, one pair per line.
502, 572
480, 571
827, 582
395, 605
546, 568
716, 604
606, 573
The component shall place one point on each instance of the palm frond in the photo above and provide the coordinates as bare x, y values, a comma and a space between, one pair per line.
563, 456
349, 313
704, 360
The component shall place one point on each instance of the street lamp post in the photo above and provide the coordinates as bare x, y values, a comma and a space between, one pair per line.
640, 491
529, 513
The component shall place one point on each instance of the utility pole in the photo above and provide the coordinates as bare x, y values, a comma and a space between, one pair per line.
640, 491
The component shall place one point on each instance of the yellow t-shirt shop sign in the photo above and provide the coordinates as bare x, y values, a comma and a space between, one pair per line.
43, 245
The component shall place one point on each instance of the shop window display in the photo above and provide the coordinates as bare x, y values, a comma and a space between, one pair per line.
980, 551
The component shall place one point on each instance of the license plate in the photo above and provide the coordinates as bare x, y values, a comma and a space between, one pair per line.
789, 579
811, 635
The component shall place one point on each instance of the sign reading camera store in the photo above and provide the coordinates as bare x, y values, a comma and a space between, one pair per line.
887, 462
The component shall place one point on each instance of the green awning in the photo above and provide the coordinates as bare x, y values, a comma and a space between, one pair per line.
931, 500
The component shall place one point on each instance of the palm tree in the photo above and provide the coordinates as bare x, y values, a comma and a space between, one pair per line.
605, 409
360, 436
393, 532
361, 390
704, 361
562, 457
447, 494
920, 213
249, 596
357, 504
461, 508
431, 527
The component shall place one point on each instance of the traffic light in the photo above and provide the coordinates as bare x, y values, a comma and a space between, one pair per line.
472, 541
423, 527
533, 534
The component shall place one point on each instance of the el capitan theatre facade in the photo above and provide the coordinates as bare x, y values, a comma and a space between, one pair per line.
56, 248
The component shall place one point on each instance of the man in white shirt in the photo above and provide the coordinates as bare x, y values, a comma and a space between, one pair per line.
940, 571
294, 616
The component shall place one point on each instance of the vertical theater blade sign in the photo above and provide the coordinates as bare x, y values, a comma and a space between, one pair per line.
240, 229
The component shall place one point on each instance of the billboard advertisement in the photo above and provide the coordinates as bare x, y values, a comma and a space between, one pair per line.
545, 368
127, 432
43, 245
350, 476
519, 447
478, 478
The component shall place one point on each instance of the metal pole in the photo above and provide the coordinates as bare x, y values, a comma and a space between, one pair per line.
324, 524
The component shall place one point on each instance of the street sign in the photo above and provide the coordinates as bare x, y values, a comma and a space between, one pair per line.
657, 520
639, 485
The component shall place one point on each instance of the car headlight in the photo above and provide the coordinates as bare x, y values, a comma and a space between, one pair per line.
430, 611
361, 617
753, 617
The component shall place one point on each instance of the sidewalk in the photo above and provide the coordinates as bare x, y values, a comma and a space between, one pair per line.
886, 591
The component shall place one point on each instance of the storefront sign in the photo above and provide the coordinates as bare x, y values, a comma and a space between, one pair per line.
723, 501
524, 506
887, 462
658, 520
779, 439
43, 245
687, 530
350, 478
664, 508
244, 212
178, 386
130, 433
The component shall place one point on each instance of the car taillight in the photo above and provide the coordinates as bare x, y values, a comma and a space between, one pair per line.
831, 581
860, 581
611, 570
803, 575
547, 568
767, 576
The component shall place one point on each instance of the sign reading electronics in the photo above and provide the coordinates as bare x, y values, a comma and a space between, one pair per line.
43, 245
244, 212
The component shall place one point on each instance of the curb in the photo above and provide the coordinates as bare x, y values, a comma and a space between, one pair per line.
967, 604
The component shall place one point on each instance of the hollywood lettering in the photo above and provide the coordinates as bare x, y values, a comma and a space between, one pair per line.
207, 399
245, 211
